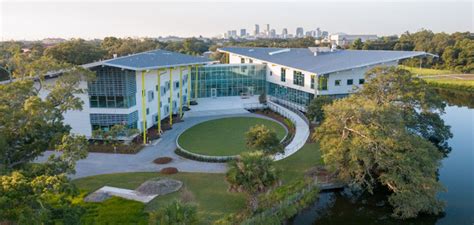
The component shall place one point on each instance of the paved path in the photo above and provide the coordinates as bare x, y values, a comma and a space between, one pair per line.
106, 163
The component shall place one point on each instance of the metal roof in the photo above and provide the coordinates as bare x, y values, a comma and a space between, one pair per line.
324, 62
151, 60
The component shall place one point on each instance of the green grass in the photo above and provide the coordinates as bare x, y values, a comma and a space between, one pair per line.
295, 166
224, 137
426, 71
213, 199
209, 190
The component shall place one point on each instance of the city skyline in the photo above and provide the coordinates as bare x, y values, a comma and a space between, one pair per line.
38, 20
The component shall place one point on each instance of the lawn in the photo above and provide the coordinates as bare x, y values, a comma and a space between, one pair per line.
209, 190
426, 71
224, 137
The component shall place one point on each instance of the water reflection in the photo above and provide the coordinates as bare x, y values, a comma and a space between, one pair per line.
456, 174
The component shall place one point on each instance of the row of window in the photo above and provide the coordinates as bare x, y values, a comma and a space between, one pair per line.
112, 101
298, 78
348, 82
151, 94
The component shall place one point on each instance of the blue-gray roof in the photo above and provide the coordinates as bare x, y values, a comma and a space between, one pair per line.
323, 63
152, 60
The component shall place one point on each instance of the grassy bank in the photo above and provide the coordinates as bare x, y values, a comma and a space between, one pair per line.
209, 191
445, 79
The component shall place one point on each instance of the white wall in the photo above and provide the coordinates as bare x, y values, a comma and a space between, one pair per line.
343, 76
275, 76
150, 85
78, 120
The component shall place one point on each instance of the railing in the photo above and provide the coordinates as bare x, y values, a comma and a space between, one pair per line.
286, 112
288, 104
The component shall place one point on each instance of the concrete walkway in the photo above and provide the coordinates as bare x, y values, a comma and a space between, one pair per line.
106, 163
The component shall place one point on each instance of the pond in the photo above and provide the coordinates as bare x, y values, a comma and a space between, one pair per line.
456, 174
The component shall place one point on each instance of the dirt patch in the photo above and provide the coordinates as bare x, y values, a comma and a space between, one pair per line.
161, 186
169, 170
163, 160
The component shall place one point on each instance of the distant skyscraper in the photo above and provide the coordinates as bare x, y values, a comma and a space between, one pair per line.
318, 33
267, 29
284, 33
324, 34
299, 32
272, 33
233, 33
243, 32
257, 30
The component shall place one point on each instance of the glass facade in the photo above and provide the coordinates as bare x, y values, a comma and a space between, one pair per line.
106, 121
113, 88
289, 94
298, 78
230, 80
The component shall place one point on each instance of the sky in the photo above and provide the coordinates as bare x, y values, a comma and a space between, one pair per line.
36, 19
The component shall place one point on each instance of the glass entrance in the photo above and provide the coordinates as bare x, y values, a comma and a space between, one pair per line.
250, 89
213, 92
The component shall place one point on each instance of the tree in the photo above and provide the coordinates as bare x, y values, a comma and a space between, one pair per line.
262, 98
259, 137
357, 44
30, 125
380, 136
126, 46
176, 213
315, 108
76, 51
252, 173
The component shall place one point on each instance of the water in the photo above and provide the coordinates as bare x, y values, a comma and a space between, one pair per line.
456, 174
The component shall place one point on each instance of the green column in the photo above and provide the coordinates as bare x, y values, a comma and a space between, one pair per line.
158, 78
189, 87
196, 82
181, 91
143, 108
171, 96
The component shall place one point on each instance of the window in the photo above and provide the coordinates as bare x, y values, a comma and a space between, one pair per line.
361, 81
298, 78
242, 60
350, 81
94, 101
176, 85
323, 83
147, 111
313, 79
271, 73
283, 75
337, 82
163, 90
151, 96
250, 61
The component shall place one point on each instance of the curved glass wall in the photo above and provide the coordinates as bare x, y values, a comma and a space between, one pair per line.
230, 80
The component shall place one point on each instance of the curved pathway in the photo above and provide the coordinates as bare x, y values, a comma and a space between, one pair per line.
106, 163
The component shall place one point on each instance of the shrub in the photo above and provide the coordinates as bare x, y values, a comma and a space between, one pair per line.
176, 213
259, 137
201, 158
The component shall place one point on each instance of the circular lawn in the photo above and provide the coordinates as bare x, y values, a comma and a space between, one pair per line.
224, 137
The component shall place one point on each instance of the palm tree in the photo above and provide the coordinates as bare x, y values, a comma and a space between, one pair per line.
176, 213
253, 173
